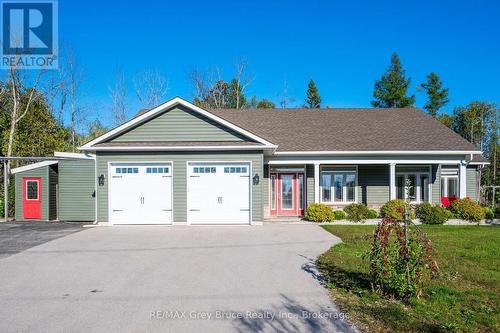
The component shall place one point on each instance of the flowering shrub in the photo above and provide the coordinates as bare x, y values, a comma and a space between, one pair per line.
319, 213
400, 264
466, 209
447, 201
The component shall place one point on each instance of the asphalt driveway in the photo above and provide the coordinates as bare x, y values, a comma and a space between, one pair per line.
170, 279
19, 236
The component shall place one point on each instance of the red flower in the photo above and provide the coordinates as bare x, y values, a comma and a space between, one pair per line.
445, 201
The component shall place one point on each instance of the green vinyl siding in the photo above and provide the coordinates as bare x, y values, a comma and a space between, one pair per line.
179, 178
43, 173
373, 184
472, 185
53, 183
179, 124
436, 183
76, 189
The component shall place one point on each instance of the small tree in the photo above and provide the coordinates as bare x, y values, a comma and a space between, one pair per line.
313, 99
390, 91
401, 257
437, 95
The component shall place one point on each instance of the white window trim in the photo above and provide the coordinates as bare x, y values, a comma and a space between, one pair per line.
37, 190
344, 187
444, 180
418, 176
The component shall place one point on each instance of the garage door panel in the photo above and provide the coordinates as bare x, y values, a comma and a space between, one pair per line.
219, 193
140, 193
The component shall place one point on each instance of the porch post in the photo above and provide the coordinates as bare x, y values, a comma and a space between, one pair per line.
316, 182
392, 181
462, 182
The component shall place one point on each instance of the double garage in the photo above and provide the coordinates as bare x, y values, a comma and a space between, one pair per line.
215, 192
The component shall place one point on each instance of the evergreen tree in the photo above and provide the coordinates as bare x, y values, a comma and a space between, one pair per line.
437, 95
390, 91
313, 99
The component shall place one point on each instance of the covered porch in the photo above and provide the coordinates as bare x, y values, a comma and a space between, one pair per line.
294, 183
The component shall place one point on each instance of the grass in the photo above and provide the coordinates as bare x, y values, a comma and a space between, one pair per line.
465, 297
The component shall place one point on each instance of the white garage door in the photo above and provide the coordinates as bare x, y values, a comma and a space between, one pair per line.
140, 193
218, 193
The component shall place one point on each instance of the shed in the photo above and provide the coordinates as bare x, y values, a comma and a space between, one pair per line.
56, 190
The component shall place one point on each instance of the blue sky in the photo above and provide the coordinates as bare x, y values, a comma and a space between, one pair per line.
343, 45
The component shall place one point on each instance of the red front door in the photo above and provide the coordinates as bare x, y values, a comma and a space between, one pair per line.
287, 194
32, 198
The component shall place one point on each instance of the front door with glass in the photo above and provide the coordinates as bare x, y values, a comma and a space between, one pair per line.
287, 194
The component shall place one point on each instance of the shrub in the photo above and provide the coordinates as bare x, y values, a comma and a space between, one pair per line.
339, 215
372, 214
468, 210
319, 213
400, 265
449, 214
1, 208
488, 213
436, 215
357, 212
395, 210
423, 209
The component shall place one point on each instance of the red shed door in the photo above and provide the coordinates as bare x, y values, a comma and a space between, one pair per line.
32, 198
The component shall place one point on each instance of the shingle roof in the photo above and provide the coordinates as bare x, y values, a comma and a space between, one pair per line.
359, 129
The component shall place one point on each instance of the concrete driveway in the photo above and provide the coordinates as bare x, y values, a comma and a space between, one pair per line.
170, 279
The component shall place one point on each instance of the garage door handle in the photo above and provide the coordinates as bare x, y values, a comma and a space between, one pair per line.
219, 200
117, 210
245, 210
117, 176
166, 210
195, 176
194, 210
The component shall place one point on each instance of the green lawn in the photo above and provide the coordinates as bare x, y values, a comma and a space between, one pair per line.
465, 297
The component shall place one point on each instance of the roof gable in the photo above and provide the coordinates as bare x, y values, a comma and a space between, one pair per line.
177, 121
179, 124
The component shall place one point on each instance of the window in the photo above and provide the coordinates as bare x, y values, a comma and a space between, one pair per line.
449, 186
127, 170
338, 185
31, 190
204, 170
418, 183
235, 170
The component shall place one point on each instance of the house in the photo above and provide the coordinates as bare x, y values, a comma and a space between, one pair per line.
178, 164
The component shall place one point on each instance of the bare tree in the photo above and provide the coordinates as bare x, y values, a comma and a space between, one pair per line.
118, 94
243, 80
151, 88
75, 79
285, 98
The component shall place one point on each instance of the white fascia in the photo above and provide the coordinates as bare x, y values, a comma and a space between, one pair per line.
32, 166
74, 155
181, 148
379, 152
171, 103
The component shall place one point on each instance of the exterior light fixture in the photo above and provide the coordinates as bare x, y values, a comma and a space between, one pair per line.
100, 180
256, 179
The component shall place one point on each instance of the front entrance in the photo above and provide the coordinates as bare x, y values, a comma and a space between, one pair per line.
32, 198
287, 193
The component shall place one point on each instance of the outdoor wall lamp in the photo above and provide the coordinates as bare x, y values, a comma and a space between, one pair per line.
256, 179
100, 180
